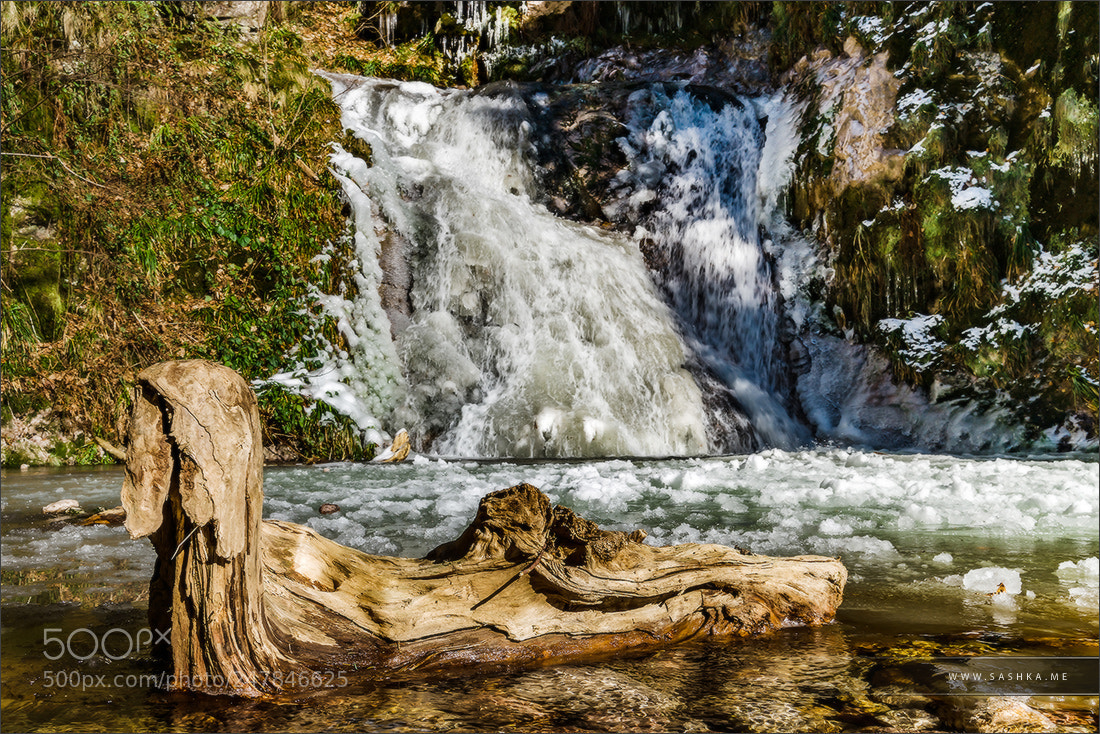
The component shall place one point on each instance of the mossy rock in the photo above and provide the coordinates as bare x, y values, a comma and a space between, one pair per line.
33, 253
32, 268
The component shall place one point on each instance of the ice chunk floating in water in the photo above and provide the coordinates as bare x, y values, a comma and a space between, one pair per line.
529, 335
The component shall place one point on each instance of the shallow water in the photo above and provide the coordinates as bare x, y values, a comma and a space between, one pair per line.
914, 530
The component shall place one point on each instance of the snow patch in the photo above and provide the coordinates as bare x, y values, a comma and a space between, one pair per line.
914, 101
920, 346
966, 193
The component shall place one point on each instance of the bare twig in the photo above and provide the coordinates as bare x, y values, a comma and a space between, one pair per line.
184, 541
535, 562
306, 169
59, 160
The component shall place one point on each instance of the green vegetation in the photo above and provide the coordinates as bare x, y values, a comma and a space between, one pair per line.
997, 194
412, 61
163, 198
164, 191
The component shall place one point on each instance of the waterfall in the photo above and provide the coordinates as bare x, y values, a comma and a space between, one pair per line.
524, 334
690, 321
489, 326
529, 335
701, 160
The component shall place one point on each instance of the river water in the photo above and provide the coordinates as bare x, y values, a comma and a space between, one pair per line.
926, 539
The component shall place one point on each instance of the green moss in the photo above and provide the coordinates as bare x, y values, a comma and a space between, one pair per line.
33, 273
911, 248
800, 27
1076, 133
186, 223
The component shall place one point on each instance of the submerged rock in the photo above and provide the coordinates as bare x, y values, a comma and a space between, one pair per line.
910, 719
113, 516
994, 714
62, 507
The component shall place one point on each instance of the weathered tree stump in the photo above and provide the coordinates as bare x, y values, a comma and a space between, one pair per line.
255, 607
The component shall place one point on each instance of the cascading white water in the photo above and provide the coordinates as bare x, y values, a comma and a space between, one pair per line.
530, 335
535, 336
705, 165
702, 161
525, 334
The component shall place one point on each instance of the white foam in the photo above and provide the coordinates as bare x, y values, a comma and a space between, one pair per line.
97, 550
829, 526
858, 545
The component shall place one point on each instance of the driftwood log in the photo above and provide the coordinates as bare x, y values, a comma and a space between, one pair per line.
255, 607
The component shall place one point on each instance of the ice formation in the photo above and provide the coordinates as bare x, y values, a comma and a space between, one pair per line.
530, 335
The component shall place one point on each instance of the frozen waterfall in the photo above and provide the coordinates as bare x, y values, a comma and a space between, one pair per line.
525, 334
529, 335
699, 159
490, 326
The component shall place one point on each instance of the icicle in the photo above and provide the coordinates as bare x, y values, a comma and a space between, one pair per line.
624, 17
388, 22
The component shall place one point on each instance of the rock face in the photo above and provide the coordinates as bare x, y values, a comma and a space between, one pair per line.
931, 150
255, 607
850, 105
864, 92
249, 14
